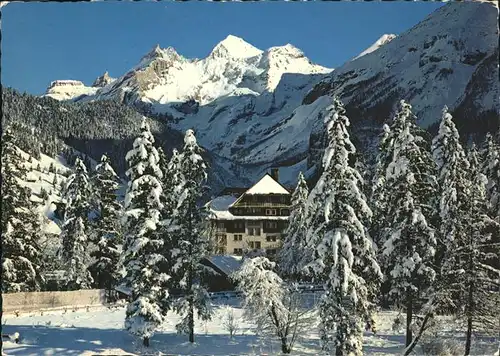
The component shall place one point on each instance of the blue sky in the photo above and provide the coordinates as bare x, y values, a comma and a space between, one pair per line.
42, 42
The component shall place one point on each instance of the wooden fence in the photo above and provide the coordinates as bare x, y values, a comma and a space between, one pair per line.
36, 301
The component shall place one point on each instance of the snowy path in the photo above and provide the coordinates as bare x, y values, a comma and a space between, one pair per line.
100, 331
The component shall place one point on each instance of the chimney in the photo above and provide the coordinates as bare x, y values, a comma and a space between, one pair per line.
275, 173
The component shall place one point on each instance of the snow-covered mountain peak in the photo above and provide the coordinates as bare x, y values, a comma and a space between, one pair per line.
287, 59
158, 53
68, 89
234, 67
103, 80
377, 44
234, 47
286, 50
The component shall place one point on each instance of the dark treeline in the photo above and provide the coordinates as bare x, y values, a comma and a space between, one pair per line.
93, 128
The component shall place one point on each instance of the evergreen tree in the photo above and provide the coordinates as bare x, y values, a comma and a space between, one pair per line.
295, 238
21, 230
143, 258
410, 243
74, 238
172, 180
344, 254
192, 238
44, 194
379, 194
490, 155
105, 227
452, 166
167, 228
476, 278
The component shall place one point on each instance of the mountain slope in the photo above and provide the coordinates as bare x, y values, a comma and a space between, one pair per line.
96, 128
450, 58
429, 65
253, 109
69, 89
377, 44
234, 66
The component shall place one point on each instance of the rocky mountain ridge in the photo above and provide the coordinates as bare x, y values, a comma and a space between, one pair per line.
257, 109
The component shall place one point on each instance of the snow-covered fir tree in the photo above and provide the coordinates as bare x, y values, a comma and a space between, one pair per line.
75, 241
452, 167
13, 170
490, 156
21, 228
192, 239
476, 278
379, 194
409, 244
167, 227
172, 179
290, 256
143, 259
106, 229
344, 252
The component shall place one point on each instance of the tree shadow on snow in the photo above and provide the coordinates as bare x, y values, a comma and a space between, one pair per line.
40, 340
222, 344
383, 343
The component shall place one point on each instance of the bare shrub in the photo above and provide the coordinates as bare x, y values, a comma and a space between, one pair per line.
441, 347
230, 321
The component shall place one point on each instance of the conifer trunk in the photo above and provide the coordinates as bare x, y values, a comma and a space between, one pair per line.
469, 308
409, 317
469, 333
338, 351
190, 281
145, 341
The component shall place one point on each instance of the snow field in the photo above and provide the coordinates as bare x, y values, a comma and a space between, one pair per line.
100, 331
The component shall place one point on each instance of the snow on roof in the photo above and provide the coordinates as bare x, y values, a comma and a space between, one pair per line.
227, 263
219, 207
222, 203
123, 289
267, 185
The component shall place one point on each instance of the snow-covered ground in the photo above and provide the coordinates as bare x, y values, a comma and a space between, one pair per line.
100, 331
40, 178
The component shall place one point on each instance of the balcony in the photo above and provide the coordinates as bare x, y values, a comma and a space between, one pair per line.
262, 205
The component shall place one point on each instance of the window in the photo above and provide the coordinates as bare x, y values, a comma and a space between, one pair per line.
238, 251
270, 211
238, 238
220, 225
255, 244
254, 231
239, 225
272, 224
221, 250
222, 238
285, 211
271, 238
271, 251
